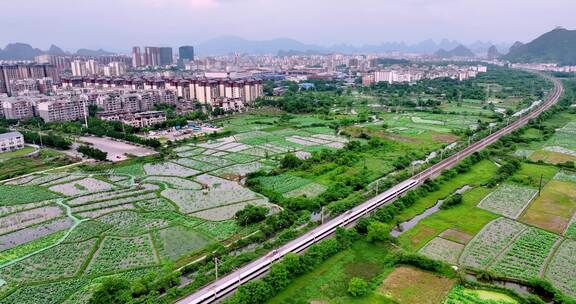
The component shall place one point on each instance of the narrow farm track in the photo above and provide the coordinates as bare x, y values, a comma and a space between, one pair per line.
219, 289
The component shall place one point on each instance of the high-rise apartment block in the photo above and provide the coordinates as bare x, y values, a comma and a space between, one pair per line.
186, 53
136, 57
165, 56
151, 56
11, 72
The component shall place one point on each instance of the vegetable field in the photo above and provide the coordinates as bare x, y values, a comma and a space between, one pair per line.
508, 200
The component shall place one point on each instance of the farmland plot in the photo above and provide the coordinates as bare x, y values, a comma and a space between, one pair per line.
64, 179
229, 211
32, 233
45, 178
508, 200
241, 158
219, 230
175, 242
87, 230
132, 170
561, 270
82, 187
114, 202
195, 164
553, 209
5, 210
309, 190
130, 223
157, 204
571, 229
525, 258
214, 160
236, 171
23, 219
563, 139
443, 250
122, 253
489, 242
190, 201
194, 152
104, 196
45, 293
169, 169
283, 183
100, 212
258, 152
14, 195
566, 176
58, 262
175, 182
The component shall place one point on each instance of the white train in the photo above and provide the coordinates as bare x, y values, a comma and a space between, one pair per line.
256, 268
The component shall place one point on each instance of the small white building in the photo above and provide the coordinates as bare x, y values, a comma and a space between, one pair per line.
11, 141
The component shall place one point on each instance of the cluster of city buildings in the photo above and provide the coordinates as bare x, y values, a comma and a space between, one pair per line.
160, 56
552, 67
17, 75
129, 99
413, 73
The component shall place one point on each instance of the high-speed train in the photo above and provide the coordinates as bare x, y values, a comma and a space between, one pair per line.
229, 283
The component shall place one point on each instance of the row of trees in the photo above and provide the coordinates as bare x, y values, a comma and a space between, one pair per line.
93, 152
49, 139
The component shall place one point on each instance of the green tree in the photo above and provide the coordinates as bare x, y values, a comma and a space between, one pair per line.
290, 161
112, 291
357, 287
251, 214
378, 231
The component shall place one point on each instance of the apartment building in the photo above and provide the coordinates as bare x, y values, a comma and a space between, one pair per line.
12, 72
63, 109
20, 108
138, 120
11, 141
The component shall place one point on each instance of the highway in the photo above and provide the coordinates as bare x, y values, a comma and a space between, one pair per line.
227, 284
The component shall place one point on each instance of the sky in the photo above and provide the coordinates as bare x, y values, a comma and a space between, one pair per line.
119, 24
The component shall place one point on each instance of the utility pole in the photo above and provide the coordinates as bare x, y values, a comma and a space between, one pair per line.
216, 262
540, 187
40, 134
322, 215
85, 115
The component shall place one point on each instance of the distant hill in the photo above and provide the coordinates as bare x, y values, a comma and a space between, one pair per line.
459, 51
24, 51
93, 53
285, 46
19, 51
558, 46
493, 53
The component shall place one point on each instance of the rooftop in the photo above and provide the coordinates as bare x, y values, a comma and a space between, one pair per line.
10, 135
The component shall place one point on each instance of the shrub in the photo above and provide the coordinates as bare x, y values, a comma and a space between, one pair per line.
452, 201
251, 214
93, 152
357, 287
378, 231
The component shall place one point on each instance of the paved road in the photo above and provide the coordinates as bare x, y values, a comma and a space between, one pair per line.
227, 284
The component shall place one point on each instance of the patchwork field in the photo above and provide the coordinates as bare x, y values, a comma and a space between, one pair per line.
410, 285
69, 225
553, 209
508, 200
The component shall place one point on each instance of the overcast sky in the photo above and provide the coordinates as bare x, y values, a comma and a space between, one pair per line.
118, 24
